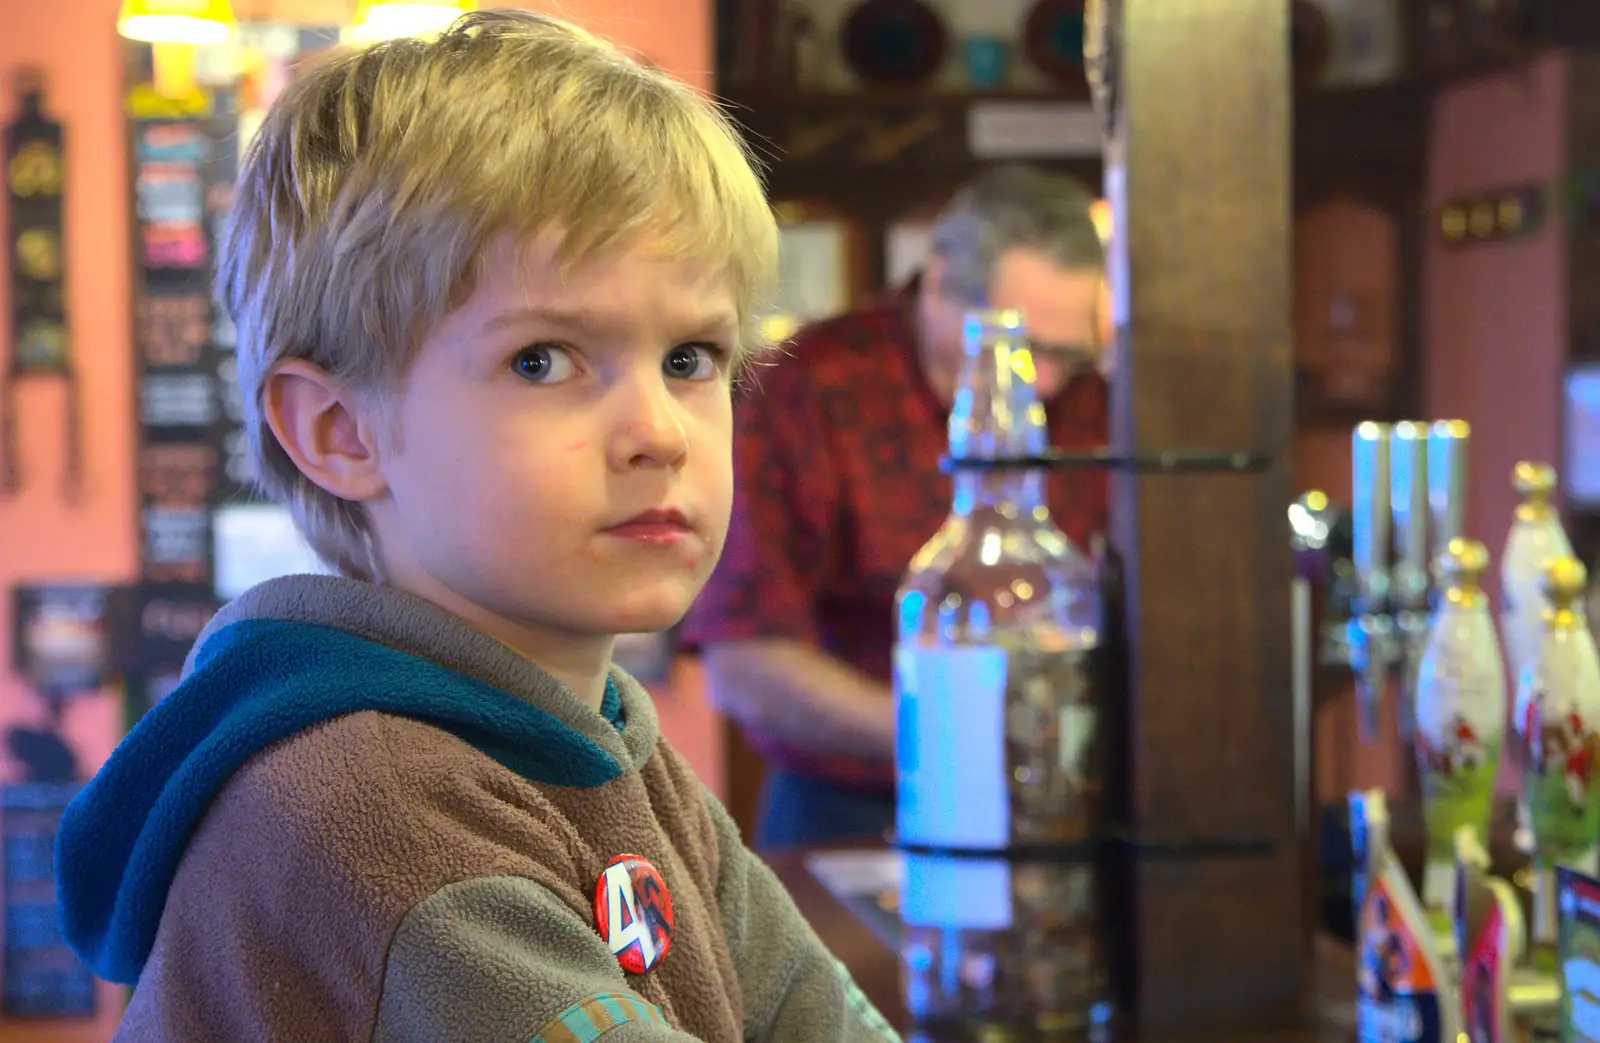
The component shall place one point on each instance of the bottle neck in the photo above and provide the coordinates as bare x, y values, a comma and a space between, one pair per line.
996, 414
1020, 492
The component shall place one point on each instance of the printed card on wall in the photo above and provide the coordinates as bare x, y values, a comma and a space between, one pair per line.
35, 185
64, 638
192, 460
170, 196
233, 479
176, 480
42, 975
1578, 906
59, 727
178, 405
166, 620
33, 165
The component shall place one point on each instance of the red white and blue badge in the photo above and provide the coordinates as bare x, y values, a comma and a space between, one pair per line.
633, 912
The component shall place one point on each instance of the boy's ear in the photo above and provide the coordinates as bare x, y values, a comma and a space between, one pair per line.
321, 425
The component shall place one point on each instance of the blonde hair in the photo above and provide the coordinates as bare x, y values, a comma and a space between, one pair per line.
371, 189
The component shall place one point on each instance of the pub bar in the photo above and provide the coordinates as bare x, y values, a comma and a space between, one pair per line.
800, 520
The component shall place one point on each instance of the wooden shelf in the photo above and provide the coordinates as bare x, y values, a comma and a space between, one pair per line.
888, 98
869, 152
861, 150
1369, 143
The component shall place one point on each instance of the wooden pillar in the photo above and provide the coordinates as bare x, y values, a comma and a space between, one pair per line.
1198, 173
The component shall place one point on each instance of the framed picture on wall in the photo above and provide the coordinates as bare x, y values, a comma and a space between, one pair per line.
1580, 449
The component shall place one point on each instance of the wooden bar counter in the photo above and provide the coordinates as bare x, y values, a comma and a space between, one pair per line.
1329, 1006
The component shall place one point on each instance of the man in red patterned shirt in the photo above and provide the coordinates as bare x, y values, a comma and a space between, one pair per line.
838, 484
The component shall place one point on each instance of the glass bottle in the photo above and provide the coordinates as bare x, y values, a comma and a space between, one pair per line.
1461, 708
999, 765
1557, 728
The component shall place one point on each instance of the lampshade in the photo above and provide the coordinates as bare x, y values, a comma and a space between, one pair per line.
385, 19
194, 22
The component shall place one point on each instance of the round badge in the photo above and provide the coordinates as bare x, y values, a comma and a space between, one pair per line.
633, 912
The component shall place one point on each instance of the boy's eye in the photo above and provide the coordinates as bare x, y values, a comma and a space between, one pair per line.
692, 361
544, 364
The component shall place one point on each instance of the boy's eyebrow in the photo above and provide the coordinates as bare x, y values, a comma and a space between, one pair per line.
594, 319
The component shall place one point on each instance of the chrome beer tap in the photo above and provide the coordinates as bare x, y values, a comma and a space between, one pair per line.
1448, 441
1373, 650
1311, 522
1409, 582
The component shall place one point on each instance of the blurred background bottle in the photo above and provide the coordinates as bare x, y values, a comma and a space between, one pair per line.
999, 686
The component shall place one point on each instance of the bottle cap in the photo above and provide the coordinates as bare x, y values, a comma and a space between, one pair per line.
1563, 582
1533, 481
1463, 564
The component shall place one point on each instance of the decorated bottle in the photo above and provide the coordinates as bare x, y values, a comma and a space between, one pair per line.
1460, 707
1556, 717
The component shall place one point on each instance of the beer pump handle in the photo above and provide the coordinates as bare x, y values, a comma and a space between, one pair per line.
1370, 627
1408, 495
1370, 514
1447, 481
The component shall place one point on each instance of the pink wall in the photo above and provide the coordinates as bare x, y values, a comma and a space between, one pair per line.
1496, 315
43, 539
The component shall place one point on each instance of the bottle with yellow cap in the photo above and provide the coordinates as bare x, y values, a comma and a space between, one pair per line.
1556, 717
1536, 535
1461, 703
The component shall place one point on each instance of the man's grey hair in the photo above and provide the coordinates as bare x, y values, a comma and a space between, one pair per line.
1009, 207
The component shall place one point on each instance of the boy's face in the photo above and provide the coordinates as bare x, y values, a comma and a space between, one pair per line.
564, 459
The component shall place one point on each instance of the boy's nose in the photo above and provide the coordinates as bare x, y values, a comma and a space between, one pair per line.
651, 434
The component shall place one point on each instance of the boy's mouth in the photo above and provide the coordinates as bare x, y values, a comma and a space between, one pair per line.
662, 525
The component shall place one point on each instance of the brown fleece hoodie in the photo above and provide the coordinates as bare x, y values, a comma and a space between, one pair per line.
389, 872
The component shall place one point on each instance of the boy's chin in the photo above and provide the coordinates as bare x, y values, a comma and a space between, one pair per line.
648, 615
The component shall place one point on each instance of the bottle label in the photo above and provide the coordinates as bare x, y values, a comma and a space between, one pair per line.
1578, 912
1483, 980
1397, 999
1559, 748
969, 893
1457, 790
1460, 706
952, 785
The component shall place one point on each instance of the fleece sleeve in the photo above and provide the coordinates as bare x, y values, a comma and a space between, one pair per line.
794, 988
502, 960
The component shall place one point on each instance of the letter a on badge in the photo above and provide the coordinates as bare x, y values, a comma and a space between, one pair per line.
637, 933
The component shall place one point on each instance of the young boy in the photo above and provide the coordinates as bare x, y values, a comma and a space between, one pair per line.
490, 291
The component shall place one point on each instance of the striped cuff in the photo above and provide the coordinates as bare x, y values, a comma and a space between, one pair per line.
594, 1016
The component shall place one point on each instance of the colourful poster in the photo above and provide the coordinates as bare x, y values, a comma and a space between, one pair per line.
1397, 1000
1578, 903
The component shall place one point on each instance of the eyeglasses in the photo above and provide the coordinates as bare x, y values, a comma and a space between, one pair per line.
1072, 358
